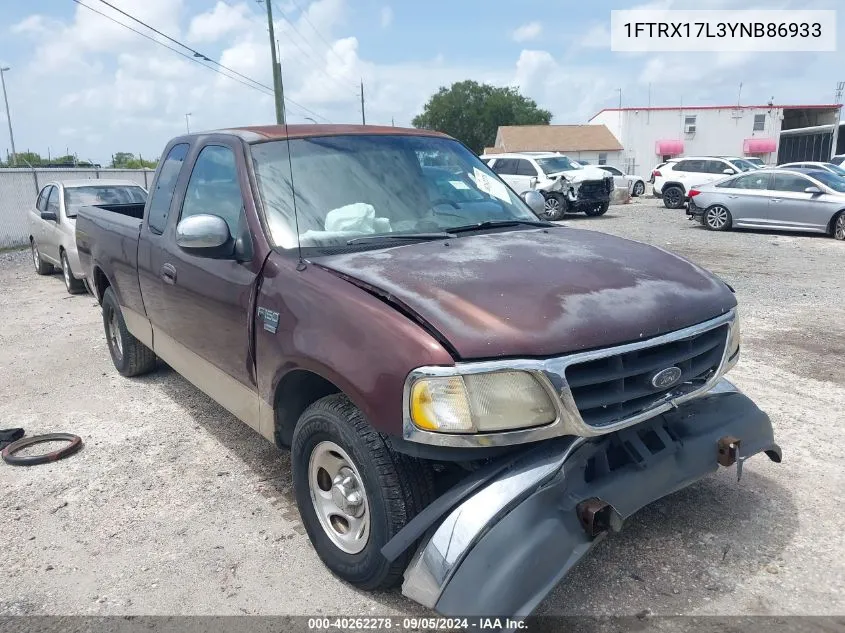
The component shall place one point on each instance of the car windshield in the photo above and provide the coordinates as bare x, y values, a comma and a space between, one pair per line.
76, 197
554, 164
836, 169
742, 164
350, 186
837, 183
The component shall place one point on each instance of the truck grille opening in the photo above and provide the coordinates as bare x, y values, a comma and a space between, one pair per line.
617, 387
596, 188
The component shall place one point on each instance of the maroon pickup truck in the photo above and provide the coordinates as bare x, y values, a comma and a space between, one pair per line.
472, 397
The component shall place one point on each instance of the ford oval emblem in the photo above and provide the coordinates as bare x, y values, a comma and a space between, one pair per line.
665, 378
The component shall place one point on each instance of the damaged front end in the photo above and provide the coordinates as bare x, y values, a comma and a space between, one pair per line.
520, 529
581, 192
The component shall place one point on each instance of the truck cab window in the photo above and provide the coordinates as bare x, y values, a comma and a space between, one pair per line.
165, 184
213, 187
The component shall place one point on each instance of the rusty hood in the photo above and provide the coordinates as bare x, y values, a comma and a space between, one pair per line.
538, 292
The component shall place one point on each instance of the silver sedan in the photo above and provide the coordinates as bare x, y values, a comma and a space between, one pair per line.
776, 199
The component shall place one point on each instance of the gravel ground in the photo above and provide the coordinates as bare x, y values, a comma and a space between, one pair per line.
174, 507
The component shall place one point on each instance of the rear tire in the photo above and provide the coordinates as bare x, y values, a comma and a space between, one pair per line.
41, 267
129, 355
74, 286
555, 206
352, 513
717, 218
673, 197
594, 212
838, 231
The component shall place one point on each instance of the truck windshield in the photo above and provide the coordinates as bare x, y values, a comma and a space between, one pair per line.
76, 197
554, 164
349, 186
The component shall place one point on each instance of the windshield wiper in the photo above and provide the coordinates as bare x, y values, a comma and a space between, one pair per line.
489, 224
398, 236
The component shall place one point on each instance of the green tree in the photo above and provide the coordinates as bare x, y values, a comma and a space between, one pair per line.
127, 160
473, 112
120, 159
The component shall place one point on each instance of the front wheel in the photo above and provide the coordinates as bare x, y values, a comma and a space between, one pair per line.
639, 189
839, 227
74, 286
555, 206
354, 492
598, 210
717, 218
673, 197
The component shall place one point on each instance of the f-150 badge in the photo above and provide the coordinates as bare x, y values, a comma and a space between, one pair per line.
270, 318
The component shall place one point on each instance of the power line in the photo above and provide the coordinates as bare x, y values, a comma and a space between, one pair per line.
255, 85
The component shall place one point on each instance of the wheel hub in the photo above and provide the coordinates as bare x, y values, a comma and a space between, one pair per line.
346, 493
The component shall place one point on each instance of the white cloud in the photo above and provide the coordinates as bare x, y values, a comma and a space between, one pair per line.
527, 32
597, 36
222, 20
34, 24
386, 17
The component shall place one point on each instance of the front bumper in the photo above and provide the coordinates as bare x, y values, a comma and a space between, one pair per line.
502, 549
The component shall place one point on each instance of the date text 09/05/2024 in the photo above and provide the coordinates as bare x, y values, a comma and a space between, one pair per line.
415, 623
723, 29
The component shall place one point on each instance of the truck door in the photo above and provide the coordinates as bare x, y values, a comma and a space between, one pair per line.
208, 302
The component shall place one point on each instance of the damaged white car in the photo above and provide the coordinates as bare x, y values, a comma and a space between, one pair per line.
567, 186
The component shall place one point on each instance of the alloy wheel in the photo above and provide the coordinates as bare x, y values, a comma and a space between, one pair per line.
66, 271
839, 229
36, 258
114, 334
339, 497
551, 207
673, 197
717, 217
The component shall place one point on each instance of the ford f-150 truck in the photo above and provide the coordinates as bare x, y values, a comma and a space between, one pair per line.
459, 412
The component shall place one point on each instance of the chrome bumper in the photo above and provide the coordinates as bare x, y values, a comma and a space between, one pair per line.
500, 551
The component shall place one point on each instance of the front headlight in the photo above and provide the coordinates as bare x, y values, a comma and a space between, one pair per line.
480, 403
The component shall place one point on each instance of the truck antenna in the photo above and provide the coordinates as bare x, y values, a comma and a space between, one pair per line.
300, 266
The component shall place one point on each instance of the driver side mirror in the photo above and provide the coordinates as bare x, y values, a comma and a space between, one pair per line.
49, 215
813, 190
205, 235
728, 171
535, 201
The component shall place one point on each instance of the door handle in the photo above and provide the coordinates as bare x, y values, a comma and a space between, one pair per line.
168, 274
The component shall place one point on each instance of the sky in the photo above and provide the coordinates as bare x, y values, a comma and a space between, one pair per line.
81, 83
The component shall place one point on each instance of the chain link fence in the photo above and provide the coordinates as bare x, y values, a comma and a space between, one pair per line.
19, 188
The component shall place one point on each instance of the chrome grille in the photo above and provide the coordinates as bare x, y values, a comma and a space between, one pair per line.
613, 388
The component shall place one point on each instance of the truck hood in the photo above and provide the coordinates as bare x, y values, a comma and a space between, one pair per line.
538, 292
582, 175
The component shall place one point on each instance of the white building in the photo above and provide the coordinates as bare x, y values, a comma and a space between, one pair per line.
650, 135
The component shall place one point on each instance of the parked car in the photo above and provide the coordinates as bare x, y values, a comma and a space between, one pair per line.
675, 179
837, 160
756, 161
621, 180
779, 199
658, 166
566, 185
420, 362
836, 170
52, 222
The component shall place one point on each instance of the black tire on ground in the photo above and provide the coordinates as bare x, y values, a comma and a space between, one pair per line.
638, 189
396, 488
599, 210
673, 197
717, 218
74, 286
555, 207
129, 355
41, 267
838, 226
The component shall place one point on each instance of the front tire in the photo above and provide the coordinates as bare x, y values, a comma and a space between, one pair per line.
594, 212
555, 206
673, 197
839, 227
354, 492
74, 286
639, 189
41, 267
129, 355
717, 218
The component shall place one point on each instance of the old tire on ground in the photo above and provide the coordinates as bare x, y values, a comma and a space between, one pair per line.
838, 226
638, 189
129, 355
555, 206
41, 267
673, 197
717, 218
74, 286
354, 492
599, 210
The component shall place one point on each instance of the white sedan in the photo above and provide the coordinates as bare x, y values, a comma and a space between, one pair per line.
836, 170
634, 184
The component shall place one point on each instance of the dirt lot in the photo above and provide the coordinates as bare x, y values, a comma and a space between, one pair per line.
174, 507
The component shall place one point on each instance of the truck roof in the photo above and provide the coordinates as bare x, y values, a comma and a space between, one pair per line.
258, 133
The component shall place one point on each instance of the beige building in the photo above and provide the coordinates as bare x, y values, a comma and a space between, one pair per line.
594, 144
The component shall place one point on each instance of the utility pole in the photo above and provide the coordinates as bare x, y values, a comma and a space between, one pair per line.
277, 78
363, 116
834, 141
8, 116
